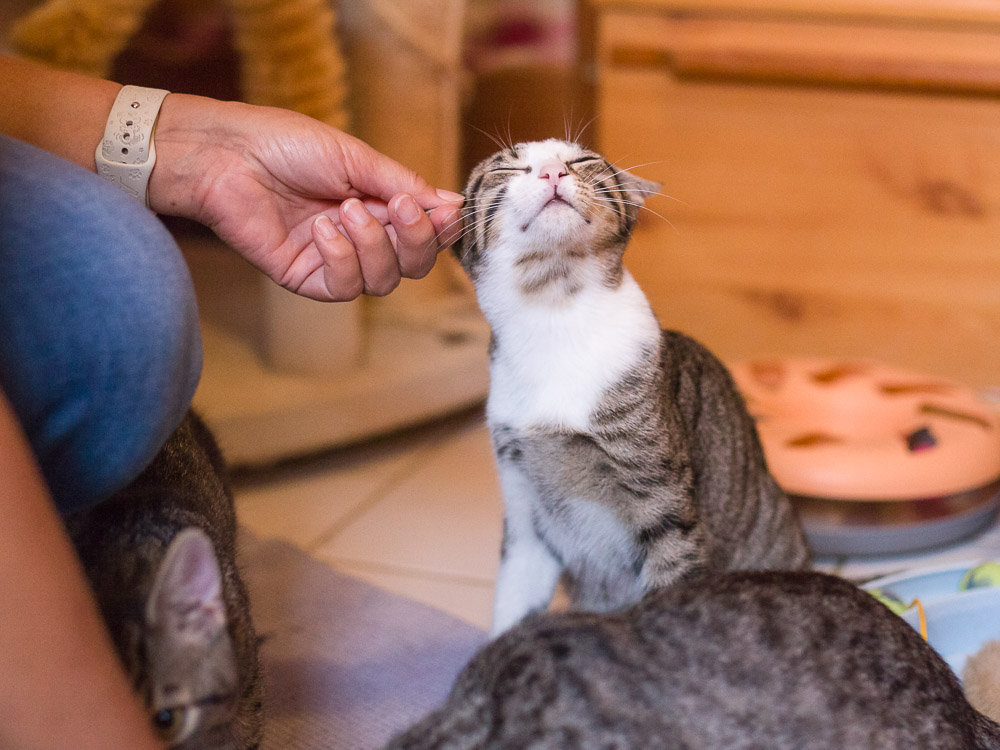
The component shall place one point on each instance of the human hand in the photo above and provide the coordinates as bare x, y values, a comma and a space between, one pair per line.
319, 211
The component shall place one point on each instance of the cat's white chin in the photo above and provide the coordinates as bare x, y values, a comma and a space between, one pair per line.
556, 218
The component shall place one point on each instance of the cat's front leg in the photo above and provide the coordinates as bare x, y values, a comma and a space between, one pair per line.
674, 549
526, 581
529, 569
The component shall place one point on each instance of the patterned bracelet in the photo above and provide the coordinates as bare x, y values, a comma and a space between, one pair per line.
126, 155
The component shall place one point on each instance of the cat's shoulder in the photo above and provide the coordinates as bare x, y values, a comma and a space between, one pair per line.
806, 593
688, 358
681, 346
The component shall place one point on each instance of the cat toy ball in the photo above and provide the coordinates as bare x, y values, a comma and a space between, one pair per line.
980, 577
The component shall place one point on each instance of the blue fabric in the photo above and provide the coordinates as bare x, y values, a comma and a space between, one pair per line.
100, 347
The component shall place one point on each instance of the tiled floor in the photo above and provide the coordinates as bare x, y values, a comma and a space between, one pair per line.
418, 514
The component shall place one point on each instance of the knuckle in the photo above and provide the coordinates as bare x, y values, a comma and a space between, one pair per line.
353, 291
418, 259
344, 288
382, 287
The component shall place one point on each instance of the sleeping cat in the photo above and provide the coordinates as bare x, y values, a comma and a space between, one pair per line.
626, 456
778, 660
160, 556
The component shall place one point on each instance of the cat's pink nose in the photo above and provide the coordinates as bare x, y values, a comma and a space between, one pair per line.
553, 171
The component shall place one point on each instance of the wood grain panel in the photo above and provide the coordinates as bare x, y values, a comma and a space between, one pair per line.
812, 220
803, 50
948, 13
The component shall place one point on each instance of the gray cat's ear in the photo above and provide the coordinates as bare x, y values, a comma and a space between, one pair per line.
636, 188
186, 598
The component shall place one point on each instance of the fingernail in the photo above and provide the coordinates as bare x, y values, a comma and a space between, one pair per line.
324, 227
449, 196
407, 209
354, 211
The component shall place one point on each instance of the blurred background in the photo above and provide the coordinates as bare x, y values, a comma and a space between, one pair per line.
830, 171
432, 83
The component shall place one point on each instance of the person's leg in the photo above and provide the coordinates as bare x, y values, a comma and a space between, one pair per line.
100, 347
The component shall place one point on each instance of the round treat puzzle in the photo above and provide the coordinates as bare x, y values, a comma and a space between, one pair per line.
878, 459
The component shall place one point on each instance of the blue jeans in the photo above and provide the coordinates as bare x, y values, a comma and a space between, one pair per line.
100, 347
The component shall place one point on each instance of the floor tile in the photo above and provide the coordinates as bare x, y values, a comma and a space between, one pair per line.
302, 503
444, 519
469, 600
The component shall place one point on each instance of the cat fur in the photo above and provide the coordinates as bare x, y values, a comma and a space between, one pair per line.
782, 660
161, 558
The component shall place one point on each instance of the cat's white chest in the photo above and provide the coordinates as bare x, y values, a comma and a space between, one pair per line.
553, 366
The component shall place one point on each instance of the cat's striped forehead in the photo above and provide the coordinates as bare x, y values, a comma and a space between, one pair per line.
533, 153
554, 201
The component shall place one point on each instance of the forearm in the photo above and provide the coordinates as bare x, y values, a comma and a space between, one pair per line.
64, 113
260, 177
61, 684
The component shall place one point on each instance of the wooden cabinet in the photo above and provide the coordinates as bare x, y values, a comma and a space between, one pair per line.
833, 168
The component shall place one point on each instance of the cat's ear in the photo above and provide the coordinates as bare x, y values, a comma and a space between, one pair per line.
636, 188
186, 598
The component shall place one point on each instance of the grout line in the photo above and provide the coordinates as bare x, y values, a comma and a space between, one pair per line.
420, 458
347, 565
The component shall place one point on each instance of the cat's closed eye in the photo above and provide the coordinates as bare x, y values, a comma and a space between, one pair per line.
504, 170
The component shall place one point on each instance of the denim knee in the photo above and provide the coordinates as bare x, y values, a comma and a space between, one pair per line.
100, 347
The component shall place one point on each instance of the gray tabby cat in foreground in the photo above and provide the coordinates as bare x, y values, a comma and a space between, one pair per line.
747, 660
626, 456
161, 558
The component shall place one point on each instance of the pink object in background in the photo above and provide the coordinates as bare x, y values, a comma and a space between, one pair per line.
519, 33
860, 430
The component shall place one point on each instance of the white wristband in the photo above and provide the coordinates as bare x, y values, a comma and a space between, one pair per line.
126, 155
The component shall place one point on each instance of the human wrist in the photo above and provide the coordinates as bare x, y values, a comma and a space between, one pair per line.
192, 135
168, 193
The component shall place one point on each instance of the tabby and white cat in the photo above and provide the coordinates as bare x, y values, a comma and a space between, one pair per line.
626, 456
161, 558
784, 660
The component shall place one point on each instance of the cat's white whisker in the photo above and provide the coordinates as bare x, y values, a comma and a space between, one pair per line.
647, 193
510, 134
465, 231
583, 128
634, 166
641, 207
496, 138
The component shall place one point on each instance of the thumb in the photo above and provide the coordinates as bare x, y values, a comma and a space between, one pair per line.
375, 174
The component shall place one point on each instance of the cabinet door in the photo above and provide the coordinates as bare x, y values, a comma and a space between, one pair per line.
833, 188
